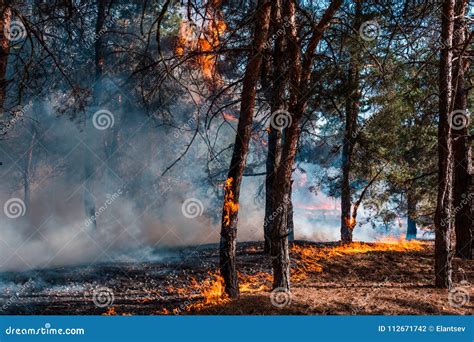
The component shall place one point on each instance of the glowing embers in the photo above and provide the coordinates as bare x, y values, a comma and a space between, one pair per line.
230, 205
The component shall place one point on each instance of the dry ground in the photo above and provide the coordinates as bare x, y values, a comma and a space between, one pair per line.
372, 282
376, 283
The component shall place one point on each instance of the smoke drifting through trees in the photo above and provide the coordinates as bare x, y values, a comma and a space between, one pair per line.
173, 103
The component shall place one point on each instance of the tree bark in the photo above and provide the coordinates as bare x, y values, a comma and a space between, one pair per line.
411, 214
352, 112
443, 225
5, 21
274, 136
300, 76
461, 143
99, 45
241, 147
289, 219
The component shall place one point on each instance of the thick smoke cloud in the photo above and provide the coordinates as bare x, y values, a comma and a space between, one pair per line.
137, 208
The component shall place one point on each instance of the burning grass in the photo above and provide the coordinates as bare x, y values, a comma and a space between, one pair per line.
386, 277
307, 260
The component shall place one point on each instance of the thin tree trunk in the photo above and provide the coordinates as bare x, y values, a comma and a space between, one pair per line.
241, 147
352, 112
274, 136
300, 76
279, 228
443, 225
289, 220
5, 21
99, 44
461, 143
411, 214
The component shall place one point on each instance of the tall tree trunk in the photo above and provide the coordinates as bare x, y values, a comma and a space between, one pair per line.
411, 214
241, 147
5, 21
461, 142
300, 76
279, 234
443, 225
274, 136
99, 44
352, 112
289, 219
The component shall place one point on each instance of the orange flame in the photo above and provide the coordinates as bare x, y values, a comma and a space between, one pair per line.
205, 42
309, 257
350, 222
209, 42
307, 260
211, 289
230, 205
249, 283
185, 39
112, 312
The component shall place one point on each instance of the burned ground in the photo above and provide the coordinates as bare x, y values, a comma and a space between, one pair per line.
361, 278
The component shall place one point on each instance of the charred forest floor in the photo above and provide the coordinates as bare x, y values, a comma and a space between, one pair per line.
327, 279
